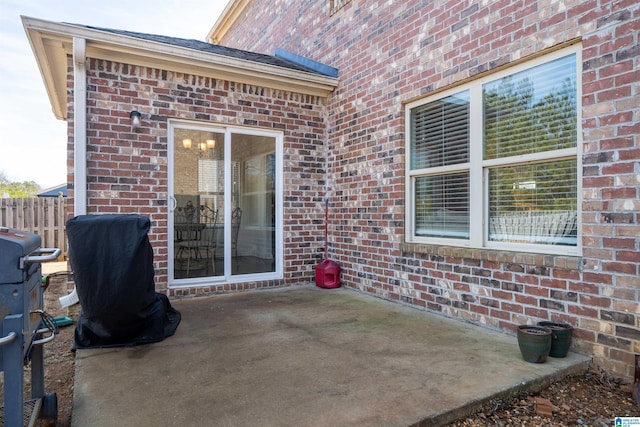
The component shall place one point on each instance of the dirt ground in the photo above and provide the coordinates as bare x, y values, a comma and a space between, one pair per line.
59, 362
593, 399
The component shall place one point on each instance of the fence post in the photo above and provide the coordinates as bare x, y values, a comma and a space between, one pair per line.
51, 221
19, 218
40, 225
61, 225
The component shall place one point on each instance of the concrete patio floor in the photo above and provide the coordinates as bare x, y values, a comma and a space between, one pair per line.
305, 356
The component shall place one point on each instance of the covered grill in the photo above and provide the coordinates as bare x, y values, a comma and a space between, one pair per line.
25, 326
112, 262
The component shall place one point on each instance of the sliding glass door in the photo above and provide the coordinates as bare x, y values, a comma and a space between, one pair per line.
225, 204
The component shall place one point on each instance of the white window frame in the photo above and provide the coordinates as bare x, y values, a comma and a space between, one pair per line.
478, 167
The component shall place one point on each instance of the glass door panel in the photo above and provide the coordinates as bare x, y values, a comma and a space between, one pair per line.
224, 204
253, 204
198, 192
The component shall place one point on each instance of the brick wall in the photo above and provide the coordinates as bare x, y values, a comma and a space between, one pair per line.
391, 52
128, 170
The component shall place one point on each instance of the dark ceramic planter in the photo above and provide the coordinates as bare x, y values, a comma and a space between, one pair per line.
560, 339
534, 343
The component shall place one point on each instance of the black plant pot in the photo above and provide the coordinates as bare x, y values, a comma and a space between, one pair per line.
534, 343
560, 339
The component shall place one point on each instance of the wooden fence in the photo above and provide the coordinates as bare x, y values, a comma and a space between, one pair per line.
44, 216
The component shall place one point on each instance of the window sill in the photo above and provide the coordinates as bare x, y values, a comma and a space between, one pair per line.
538, 260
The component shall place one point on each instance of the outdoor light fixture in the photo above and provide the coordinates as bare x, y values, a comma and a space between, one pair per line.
135, 118
211, 144
202, 146
186, 143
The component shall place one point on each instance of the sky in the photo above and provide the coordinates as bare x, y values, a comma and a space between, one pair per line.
32, 141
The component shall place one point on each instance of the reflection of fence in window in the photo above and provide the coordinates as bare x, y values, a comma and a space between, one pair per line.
548, 227
443, 223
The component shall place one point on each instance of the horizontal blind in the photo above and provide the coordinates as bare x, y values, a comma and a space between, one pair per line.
440, 132
531, 111
442, 205
209, 176
534, 203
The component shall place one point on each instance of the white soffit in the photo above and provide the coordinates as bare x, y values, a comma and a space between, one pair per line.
52, 43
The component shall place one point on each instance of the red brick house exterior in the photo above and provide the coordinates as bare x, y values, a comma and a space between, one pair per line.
127, 169
348, 143
391, 53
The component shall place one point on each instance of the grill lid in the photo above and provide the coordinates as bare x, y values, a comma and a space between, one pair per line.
13, 245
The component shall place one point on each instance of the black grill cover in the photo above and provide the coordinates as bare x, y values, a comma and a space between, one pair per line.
112, 262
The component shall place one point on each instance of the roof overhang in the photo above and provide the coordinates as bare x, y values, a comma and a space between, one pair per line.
52, 44
226, 19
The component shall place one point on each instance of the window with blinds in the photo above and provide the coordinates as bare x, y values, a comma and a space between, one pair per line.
442, 205
440, 146
210, 176
495, 163
440, 132
531, 111
534, 203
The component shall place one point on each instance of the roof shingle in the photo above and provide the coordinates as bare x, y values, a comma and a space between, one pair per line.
209, 48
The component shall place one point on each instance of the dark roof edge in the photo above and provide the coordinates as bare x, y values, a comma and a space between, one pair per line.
307, 63
202, 46
54, 191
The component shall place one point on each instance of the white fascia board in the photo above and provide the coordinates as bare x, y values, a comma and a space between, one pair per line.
52, 43
227, 18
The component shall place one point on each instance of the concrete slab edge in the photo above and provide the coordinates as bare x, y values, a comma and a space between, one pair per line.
506, 396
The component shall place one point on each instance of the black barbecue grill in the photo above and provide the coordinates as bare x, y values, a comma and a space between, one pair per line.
25, 327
